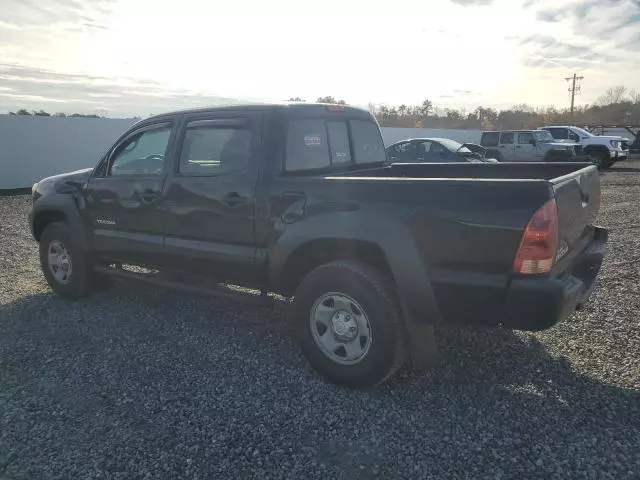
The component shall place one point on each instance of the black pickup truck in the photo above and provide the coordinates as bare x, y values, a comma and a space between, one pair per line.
299, 200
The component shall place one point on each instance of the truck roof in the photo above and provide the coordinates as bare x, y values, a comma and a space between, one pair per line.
510, 131
297, 107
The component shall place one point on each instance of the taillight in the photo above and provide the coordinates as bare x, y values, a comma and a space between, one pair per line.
539, 243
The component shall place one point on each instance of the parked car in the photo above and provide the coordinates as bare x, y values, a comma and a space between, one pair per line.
433, 150
300, 200
527, 146
602, 150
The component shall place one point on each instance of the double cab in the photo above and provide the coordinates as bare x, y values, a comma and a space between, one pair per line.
300, 200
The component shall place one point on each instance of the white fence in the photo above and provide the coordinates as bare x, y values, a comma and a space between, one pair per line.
32, 148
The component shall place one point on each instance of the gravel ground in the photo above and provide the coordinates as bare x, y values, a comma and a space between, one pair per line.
144, 383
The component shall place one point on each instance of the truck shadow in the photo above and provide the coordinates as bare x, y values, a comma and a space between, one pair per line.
493, 390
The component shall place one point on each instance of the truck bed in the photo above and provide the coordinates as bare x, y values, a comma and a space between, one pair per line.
467, 219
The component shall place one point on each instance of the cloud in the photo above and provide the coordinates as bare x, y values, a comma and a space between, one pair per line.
547, 16
466, 3
35, 88
47, 12
632, 43
546, 51
463, 92
589, 16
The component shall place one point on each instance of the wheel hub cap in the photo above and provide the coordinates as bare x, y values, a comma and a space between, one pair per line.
344, 326
59, 262
340, 328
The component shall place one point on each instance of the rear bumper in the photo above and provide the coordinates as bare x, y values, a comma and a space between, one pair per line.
539, 303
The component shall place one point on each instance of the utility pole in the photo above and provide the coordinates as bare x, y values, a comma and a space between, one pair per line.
573, 89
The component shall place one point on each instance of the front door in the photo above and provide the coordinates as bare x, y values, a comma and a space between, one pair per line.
209, 197
526, 148
124, 195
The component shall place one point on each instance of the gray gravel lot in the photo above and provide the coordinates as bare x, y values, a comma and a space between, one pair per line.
146, 383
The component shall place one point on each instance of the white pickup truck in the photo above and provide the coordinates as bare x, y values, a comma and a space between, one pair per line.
603, 150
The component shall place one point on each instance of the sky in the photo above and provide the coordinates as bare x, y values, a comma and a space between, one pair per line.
123, 58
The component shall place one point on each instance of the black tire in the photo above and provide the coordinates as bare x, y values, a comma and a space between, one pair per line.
600, 159
81, 279
376, 297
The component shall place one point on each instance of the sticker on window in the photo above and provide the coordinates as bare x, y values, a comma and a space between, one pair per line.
312, 140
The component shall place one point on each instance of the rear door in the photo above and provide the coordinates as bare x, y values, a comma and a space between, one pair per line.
506, 146
209, 196
124, 195
525, 147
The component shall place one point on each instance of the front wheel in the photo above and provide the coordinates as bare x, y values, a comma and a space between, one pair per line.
600, 159
64, 264
350, 324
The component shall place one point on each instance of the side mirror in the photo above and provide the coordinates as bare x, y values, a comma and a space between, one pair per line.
532, 141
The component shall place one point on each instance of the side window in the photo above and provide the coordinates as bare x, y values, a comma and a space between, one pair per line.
525, 138
558, 133
367, 142
573, 136
339, 143
490, 139
401, 151
141, 154
209, 150
437, 148
423, 148
402, 147
506, 138
307, 146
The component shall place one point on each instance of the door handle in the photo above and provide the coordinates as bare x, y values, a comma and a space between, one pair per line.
518, 146
232, 199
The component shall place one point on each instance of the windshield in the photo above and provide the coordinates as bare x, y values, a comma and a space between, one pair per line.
581, 132
543, 136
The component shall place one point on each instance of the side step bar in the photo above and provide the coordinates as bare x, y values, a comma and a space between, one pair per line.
162, 280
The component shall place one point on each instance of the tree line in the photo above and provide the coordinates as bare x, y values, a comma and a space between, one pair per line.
617, 106
42, 113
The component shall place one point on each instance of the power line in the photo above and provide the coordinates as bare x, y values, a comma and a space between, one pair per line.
573, 89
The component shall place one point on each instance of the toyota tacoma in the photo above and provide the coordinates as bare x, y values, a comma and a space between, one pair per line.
300, 200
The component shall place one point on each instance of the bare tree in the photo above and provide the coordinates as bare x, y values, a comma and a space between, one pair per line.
615, 94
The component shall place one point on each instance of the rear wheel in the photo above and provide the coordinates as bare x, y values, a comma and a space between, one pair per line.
350, 324
65, 266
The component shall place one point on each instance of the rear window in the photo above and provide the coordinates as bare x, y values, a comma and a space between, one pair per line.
367, 142
490, 139
315, 143
307, 146
339, 143
506, 138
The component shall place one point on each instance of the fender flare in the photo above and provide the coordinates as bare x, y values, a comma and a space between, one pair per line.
59, 203
394, 238
595, 148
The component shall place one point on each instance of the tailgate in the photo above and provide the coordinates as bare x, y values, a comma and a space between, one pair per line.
577, 197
